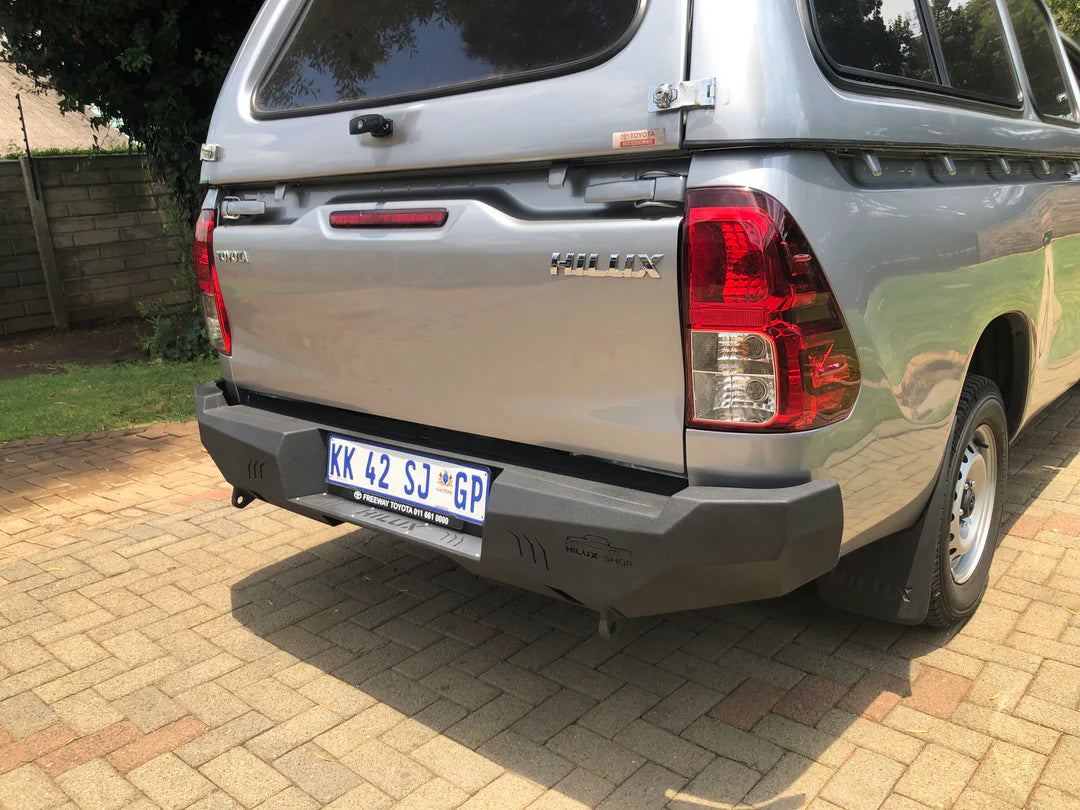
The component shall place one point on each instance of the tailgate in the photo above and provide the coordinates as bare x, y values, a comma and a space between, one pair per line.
466, 326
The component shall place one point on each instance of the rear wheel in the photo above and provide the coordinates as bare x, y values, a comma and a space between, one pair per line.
970, 523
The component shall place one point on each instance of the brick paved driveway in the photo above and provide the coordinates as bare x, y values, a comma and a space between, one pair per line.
159, 648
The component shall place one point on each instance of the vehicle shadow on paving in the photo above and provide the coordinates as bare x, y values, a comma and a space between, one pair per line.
705, 709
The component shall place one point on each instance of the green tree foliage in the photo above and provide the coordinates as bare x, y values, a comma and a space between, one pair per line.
155, 67
1068, 16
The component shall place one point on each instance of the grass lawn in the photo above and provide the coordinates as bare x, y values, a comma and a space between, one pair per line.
89, 400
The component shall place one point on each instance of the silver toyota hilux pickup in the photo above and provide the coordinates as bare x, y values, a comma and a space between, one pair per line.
647, 305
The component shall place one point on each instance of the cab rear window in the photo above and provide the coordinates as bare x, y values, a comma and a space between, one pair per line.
876, 37
350, 53
953, 46
1038, 50
973, 48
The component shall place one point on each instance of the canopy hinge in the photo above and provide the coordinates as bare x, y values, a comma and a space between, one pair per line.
682, 95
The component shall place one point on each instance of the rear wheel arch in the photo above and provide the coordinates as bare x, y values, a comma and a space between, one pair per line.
1003, 355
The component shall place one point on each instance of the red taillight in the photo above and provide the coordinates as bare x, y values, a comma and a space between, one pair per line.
213, 304
767, 346
413, 218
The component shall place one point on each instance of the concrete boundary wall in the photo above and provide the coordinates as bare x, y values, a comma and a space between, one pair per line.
103, 218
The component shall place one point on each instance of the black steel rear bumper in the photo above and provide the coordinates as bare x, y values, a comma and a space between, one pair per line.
602, 545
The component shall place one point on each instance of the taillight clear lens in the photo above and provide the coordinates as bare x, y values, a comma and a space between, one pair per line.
213, 304
767, 345
734, 377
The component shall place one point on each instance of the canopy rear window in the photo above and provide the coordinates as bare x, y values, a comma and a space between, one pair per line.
347, 53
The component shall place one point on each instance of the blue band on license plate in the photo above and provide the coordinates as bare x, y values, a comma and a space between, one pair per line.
424, 487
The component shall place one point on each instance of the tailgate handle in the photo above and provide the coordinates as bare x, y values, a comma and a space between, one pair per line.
234, 208
659, 190
378, 126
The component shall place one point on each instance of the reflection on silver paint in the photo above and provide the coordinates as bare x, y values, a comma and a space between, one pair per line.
919, 272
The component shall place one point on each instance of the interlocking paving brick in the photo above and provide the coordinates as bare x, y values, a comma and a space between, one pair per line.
90, 747
212, 703
361, 797
612, 715
649, 786
150, 708
24, 714
86, 712
508, 791
682, 707
1051, 715
1048, 798
27, 788
340, 698
730, 742
1004, 726
479, 726
664, 748
320, 777
1041, 619
1008, 772
792, 779
999, 687
395, 774
161, 741
369, 723
810, 742
523, 756
29, 748
436, 794
594, 753
170, 782
244, 776
863, 782
295, 731
810, 699
456, 763
460, 687
646, 676
875, 695
553, 715
930, 729
750, 701
873, 736
937, 777
22, 654
1062, 771
937, 692
412, 732
1057, 683
723, 782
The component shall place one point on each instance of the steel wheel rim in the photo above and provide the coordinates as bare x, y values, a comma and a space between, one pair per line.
972, 507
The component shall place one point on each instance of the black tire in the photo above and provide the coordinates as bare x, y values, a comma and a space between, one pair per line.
980, 411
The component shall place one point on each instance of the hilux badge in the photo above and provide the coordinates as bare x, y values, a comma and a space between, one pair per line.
232, 256
619, 265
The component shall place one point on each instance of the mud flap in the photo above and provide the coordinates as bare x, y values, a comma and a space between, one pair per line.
891, 578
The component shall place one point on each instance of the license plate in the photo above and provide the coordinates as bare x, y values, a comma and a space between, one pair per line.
424, 487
